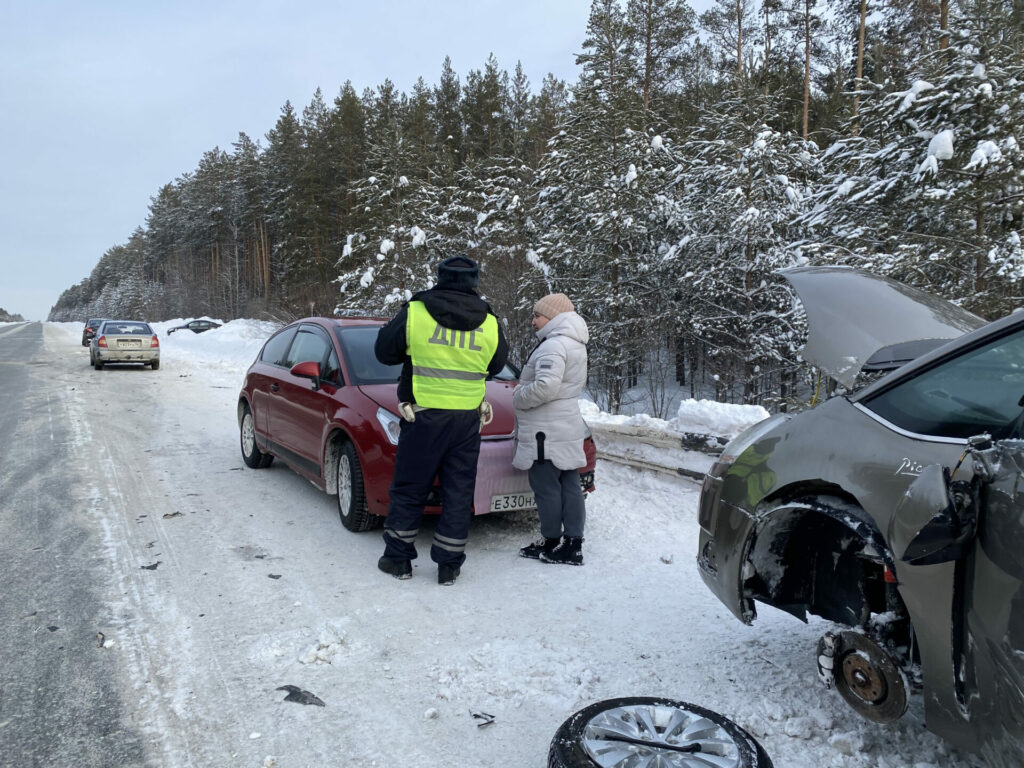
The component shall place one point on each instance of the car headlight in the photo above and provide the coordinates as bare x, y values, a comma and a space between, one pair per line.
749, 436
391, 423
711, 490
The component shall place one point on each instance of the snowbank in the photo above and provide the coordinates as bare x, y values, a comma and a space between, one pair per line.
231, 348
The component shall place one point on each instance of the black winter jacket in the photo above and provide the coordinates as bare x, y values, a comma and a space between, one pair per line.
454, 309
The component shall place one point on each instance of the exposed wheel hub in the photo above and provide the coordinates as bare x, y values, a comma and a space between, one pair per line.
868, 678
864, 678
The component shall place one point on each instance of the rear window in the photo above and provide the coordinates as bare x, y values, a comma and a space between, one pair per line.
125, 328
364, 368
275, 349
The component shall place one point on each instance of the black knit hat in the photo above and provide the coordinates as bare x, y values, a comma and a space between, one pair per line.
458, 273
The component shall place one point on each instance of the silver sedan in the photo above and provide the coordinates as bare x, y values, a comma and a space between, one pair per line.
124, 341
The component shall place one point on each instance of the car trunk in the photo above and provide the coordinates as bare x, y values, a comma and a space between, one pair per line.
127, 342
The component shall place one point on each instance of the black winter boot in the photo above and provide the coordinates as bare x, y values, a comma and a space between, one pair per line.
447, 574
568, 552
534, 550
397, 567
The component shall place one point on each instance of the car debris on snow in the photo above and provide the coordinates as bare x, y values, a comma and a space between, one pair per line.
300, 696
483, 717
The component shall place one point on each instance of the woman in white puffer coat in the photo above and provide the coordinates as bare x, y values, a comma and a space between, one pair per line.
550, 429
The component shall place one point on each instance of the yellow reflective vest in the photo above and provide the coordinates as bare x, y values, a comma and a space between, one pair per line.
449, 367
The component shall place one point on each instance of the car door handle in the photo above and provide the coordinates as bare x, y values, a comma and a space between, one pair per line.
274, 387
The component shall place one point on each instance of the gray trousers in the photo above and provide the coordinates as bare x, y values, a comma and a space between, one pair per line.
560, 502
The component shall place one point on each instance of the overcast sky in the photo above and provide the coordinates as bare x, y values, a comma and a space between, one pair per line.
101, 103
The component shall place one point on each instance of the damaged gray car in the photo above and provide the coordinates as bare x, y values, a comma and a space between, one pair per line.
894, 508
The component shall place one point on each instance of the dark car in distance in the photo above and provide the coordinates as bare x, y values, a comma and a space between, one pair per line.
894, 509
317, 398
91, 326
196, 326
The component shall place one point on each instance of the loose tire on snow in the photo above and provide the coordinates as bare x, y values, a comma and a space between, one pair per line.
251, 453
644, 730
351, 494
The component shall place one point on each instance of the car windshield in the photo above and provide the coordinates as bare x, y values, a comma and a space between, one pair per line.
121, 327
979, 391
357, 344
363, 366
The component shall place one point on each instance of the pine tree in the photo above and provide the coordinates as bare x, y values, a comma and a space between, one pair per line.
550, 111
728, 25
448, 119
283, 163
609, 50
744, 184
387, 259
928, 192
419, 129
484, 99
601, 222
663, 31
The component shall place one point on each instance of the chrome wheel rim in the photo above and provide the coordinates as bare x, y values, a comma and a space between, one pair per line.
654, 735
248, 435
344, 484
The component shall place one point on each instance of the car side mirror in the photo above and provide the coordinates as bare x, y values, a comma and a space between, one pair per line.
308, 370
935, 521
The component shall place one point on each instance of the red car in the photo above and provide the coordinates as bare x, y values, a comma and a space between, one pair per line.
317, 398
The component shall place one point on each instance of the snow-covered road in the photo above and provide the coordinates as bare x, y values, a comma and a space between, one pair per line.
257, 585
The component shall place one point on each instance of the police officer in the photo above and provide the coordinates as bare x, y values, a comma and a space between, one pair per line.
448, 341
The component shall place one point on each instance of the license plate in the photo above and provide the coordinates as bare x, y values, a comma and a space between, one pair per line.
130, 343
504, 502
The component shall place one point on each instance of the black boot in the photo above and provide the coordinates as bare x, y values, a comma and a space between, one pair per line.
397, 567
533, 551
447, 574
568, 552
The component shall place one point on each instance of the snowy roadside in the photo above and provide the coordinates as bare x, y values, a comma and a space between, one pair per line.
402, 666
640, 441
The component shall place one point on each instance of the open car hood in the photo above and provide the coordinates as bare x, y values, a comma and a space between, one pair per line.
851, 315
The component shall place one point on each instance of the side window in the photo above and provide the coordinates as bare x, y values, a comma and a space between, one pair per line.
332, 371
981, 390
275, 349
310, 345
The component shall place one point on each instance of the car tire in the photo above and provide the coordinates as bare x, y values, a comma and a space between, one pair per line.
155, 364
617, 732
351, 494
253, 457
98, 364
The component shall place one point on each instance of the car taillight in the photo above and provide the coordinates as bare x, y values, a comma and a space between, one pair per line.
154, 342
101, 341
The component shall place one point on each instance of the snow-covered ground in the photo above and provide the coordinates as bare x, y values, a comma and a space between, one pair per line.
262, 587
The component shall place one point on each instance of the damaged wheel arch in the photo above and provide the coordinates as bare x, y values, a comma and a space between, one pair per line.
814, 552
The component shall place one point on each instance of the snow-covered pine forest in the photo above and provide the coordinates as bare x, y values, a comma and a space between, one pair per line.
693, 157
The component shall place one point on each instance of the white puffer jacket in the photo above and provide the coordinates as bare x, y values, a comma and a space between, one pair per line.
546, 399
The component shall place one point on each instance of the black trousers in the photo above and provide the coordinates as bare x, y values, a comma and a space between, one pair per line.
443, 444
